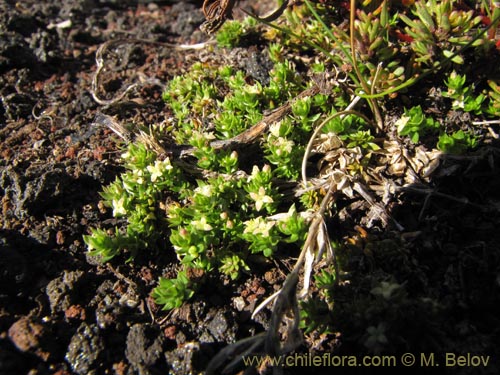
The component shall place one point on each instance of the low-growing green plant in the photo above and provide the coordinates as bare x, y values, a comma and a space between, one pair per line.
379, 52
457, 142
326, 280
353, 131
220, 221
233, 265
361, 138
229, 34
232, 32
316, 312
438, 30
136, 196
316, 315
463, 95
223, 223
415, 124
171, 293
493, 108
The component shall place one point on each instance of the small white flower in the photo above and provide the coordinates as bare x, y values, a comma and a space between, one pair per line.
401, 123
260, 198
159, 168
275, 129
459, 103
137, 176
255, 172
202, 224
284, 144
205, 190
119, 207
385, 289
155, 171
376, 336
254, 89
258, 226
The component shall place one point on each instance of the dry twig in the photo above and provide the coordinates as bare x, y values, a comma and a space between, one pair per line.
114, 44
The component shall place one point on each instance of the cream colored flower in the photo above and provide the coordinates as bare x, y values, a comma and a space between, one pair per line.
260, 198
385, 289
284, 144
202, 224
159, 168
205, 190
275, 129
119, 207
259, 225
401, 123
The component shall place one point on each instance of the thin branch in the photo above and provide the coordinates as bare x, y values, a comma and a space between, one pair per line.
100, 63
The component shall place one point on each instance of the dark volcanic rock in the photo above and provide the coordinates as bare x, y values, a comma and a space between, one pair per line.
85, 350
219, 327
144, 347
60, 291
14, 52
184, 360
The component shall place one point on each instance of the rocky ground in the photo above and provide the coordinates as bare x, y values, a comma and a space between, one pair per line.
62, 312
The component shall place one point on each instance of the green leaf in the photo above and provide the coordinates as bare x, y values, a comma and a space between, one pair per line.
457, 59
